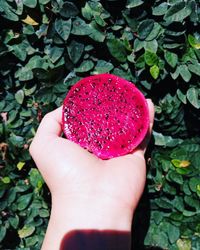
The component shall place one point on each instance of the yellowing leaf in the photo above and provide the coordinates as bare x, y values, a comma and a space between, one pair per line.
29, 20
184, 164
20, 165
26, 231
180, 164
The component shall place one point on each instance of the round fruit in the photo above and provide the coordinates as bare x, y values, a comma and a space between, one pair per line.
105, 114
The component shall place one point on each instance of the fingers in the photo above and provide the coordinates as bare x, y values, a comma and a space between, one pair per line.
49, 127
140, 151
51, 124
151, 114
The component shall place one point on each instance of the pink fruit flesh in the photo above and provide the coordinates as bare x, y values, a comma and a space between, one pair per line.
105, 114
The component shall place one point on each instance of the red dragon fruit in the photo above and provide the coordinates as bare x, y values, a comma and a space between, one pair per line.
105, 114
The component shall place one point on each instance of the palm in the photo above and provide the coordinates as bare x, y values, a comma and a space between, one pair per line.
76, 172
71, 170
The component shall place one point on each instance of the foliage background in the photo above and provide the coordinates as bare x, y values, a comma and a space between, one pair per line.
45, 47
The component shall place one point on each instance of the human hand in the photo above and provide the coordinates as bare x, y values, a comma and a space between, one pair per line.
87, 192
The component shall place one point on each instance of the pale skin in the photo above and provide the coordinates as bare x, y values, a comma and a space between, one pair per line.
87, 192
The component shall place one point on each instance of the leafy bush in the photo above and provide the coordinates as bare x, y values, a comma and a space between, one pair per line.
45, 47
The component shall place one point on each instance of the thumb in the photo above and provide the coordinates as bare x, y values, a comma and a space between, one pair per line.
143, 146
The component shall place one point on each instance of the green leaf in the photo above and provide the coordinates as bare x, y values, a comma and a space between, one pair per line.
20, 165
151, 46
96, 34
23, 201
175, 177
80, 28
19, 96
134, 3
117, 49
75, 51
173, 233
154, 71
26, 231
161, 9
85, 66
8, 12
194, 182
155, 32
87, 12
177, 12
14, 221
181, 96
150, 58
193, 42
193, 97
194, 68
30, 3
63, 28
54, 53
161, 140
144, 28
44, 213
6, 180
68, 10
36, 179
184, 244
171, 58
2, 232
102, 67
185, 73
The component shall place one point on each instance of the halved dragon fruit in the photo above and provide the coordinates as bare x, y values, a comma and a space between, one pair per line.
105, 114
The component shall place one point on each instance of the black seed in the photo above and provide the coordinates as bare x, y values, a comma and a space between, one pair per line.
107, 116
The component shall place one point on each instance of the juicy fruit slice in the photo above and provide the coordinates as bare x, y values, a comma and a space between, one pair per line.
105, 114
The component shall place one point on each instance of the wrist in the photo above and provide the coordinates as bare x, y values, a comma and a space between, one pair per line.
84, 212
80, 213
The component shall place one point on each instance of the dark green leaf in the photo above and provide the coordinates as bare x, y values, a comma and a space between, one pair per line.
96, 34
44, 213
36, 179
194, 68
181, 96
68, 10
23, 201
171, 58
193, 97
102, 67
117, 49
54, 53
173, 233
2, 232
144, 28
75, 51
63, 28
177, 12
80, 27
85, 66
161, 9
185, 73
193, 183
14, 221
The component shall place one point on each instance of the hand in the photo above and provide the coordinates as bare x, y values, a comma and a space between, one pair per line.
87, 192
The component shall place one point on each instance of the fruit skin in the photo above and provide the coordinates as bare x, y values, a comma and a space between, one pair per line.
105, 114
